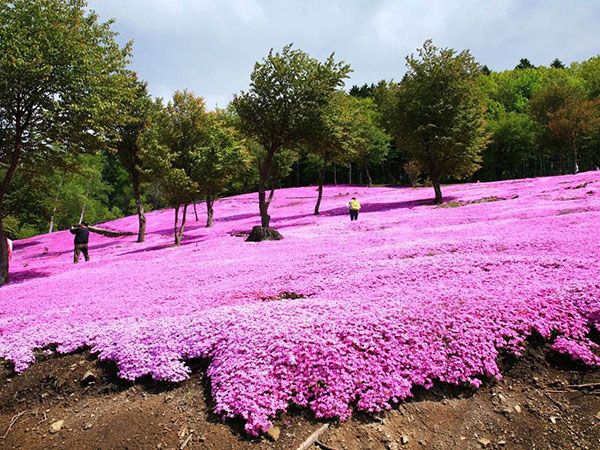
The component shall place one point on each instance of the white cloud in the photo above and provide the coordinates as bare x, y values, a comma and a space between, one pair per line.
210, 46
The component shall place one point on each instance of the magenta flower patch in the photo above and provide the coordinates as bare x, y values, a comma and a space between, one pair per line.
338, 315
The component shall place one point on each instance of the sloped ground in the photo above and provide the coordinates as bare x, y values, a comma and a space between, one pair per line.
338, 316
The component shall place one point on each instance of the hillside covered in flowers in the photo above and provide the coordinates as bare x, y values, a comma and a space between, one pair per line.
338, 315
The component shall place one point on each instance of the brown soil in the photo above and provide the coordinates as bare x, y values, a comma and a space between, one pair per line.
533, 407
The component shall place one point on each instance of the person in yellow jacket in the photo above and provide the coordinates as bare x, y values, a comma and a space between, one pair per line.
353, 208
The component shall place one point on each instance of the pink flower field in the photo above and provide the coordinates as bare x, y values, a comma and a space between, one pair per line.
338, 315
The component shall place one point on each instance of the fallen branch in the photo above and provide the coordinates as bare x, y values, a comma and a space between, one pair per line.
186, 442
111, 233
313, 438
12, 423
556, 402
583, 386
325, 446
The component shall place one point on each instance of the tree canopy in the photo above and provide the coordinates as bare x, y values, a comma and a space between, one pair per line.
61, 74
288, 92
440, 113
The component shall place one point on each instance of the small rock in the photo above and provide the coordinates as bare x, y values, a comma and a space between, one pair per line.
404, 439
553, 419
598, 415
56, 426
273, 433
423, 442
88, 377
502, 398
517, 408
87, 426
462, 438
502, 443
484, 442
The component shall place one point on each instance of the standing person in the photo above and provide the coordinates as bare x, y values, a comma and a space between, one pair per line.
82, 235
353, 208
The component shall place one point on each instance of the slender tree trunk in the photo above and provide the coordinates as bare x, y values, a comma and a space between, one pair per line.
179, 232
209, 210
350, 173
195, 212
271, 194
264, 173
82, 214
87, 192
320, 196
360, 177
8, 175
55, 207
175, 233
335, 174
438, 192
575, 159
140, 210
369, 180
3, 254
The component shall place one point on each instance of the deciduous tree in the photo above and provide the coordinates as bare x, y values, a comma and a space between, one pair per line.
61, 73
287, 94
440, 113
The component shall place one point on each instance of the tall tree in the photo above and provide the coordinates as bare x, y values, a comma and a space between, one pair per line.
220, 157
137, 111
170, 152
60, 76
440, 113
557, 64
545, 105
373, 143
288, 91
524, 63
572, 122
336, 140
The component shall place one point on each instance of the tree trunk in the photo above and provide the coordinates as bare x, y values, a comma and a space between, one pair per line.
438, 192
175, 233
263, 206
195, 212
55, 207
209, 210
179, 230
87, 192
350, 173
576, 166
140, 211
82, 214
298, 173
335, 174
8, 176
369, 180
3, 255
271, 194
360, 177
320, 196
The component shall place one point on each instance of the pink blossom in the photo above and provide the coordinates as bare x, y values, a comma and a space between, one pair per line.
408, 295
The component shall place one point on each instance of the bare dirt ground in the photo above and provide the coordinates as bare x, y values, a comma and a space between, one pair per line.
544, 402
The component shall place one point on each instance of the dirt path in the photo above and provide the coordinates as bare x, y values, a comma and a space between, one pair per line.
532, 407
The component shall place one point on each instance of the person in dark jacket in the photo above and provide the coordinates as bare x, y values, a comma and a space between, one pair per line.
82, 235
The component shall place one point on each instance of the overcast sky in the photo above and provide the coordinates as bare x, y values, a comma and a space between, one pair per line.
210, 46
